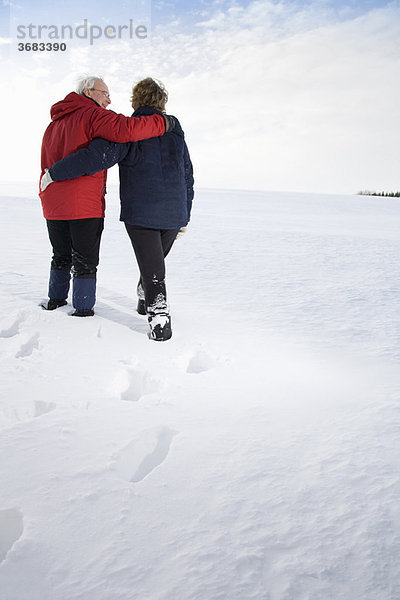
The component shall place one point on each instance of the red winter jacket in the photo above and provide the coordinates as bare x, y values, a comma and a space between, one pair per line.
76, 120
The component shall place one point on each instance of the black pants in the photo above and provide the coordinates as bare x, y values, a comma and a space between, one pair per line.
151, 246
76, 245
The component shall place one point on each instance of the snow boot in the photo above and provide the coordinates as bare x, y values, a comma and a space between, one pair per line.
84, 296
160, 327
58, 288
83, 313
53, 304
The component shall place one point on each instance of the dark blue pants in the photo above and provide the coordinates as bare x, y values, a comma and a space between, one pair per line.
151, 246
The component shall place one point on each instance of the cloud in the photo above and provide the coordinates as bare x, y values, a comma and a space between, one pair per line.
273, 95
290, 99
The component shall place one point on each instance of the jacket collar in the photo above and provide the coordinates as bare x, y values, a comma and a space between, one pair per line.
143, 111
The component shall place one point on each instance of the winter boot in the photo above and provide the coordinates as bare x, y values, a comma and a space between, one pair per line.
53, 304
141, 305
160, 327
84, 296
83, 313
58, 289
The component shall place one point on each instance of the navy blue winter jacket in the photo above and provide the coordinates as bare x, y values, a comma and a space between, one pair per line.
156, 175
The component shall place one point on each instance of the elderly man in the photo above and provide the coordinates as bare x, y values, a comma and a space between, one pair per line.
74, 209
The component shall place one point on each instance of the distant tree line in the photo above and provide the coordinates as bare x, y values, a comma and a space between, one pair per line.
386, 194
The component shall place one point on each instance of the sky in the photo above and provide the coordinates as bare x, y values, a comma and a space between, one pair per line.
272, 94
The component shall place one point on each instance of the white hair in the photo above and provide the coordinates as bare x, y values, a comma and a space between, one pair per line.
87, 82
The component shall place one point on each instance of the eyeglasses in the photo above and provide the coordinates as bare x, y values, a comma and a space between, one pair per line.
106, 94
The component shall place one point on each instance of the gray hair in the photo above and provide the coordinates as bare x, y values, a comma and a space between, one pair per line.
87, 82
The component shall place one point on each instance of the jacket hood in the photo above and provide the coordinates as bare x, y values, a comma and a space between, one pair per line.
144, 111
70, 103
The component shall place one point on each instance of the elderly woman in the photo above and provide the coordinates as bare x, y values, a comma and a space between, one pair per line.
156, 192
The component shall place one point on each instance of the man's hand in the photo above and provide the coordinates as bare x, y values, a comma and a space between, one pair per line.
45, 181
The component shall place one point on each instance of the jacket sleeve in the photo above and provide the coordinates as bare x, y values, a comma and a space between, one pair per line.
118, 128
99, 155
189, 178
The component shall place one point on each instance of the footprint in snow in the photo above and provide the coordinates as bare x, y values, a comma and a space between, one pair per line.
11, 529
42, 408
199, 362
13, 329
144, 454
27, 349
138, 383
12, 413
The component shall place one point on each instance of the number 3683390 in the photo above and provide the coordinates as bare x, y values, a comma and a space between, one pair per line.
42, 47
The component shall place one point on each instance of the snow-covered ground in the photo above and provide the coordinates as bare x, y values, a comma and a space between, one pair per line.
255, 456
